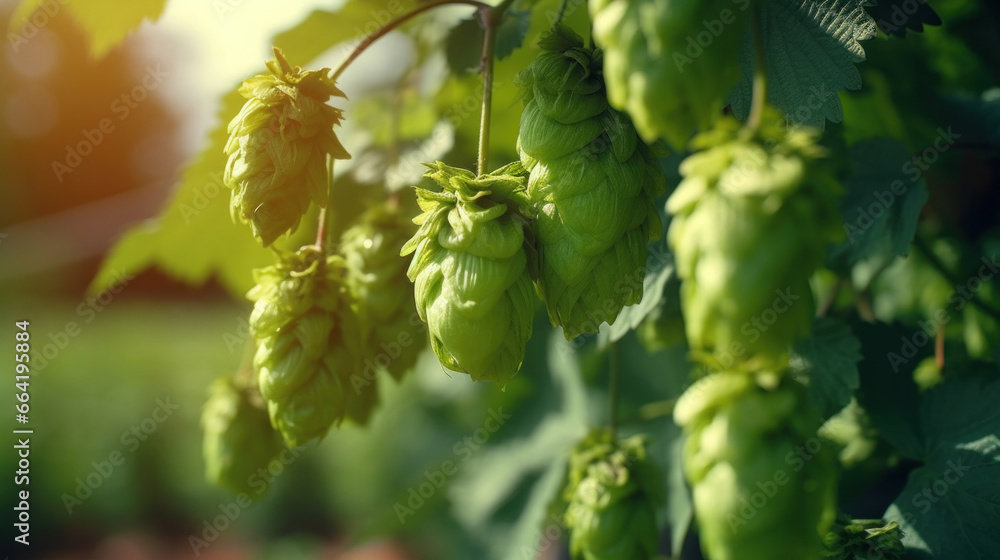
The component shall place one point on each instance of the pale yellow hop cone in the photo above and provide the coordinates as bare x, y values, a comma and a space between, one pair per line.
279, 147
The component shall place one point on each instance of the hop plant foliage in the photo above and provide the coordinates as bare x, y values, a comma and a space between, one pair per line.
593, 182
470, 269
612, 490
760, 490
279, 147
660, 70
860, 539
752, 217
377, 278
309, 338
238, 437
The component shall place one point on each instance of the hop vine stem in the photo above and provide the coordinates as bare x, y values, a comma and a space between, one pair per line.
613, 383
759, 100
491, 18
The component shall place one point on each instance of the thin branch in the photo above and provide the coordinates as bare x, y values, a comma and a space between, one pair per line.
759, 100
951, 277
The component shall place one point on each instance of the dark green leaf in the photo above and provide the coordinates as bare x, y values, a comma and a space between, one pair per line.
512, 31
885, 194
950, 506
829, 361
464, 46
811, 48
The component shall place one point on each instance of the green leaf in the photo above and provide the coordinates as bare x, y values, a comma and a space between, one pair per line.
885, 194
659, 270
482, 488
811, 48
194, 238
829, 361
512, 31
462, 50
888, 392
106, 22
950, 505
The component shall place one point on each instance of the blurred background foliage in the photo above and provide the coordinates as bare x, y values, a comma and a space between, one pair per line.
179, 321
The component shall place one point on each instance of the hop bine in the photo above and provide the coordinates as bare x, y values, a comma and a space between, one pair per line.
377, 278
279, 146
658, 68
238, 437
752, 218
309, 339
593, 182
760, 490
612, 490
470, 269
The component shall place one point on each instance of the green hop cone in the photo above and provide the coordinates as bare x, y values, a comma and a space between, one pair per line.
612, 490
279, 146
238, 437
593, 182
761, 488
752, 218
309, 341
470, 270
860, 539
658, 67
377, 276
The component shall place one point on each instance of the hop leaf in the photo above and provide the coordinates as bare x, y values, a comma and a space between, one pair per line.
752, 217
470, 270
309, 339
754, 493
377, 278
279, 145
238, 438
612, 490
593, 183
658, 68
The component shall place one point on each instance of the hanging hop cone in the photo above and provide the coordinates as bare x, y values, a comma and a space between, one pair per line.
279, 145
752, 218
763, 484
670, 64
377, 277
238, 437
470, 270
612, 490
858, 539
309, 340
593, 183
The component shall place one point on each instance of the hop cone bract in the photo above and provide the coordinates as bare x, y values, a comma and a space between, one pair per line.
752, 218
612, 490
279, 145
670, 63
309, 339
593, 182
470, 270
238, 437
763, 484
377, 277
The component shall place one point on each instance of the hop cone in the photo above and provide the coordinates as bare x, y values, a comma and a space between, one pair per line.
752, 217
761, 489
612, 490
278, 147
593, 183
309, 338
238, 437
470, 270
670, 63
861, 539
377, 276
